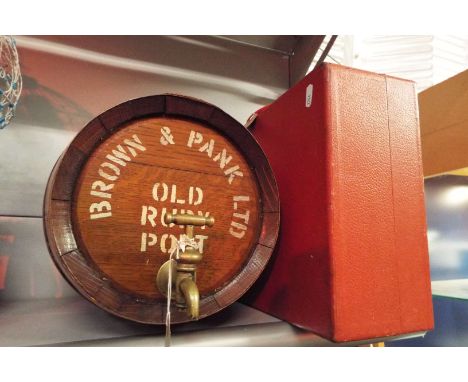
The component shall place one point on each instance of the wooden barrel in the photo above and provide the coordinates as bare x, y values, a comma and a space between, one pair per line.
108, 194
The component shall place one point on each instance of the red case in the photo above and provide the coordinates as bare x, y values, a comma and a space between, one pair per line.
352, 260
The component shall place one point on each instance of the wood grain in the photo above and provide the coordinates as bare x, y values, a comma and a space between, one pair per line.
114, 243
142, 159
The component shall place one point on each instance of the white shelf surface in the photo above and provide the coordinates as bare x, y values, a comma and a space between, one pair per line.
74, 321
451, 288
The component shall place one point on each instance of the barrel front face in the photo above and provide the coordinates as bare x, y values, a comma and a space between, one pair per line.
159, 165
110, 191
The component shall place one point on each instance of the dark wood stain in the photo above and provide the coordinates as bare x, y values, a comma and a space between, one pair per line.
101, 258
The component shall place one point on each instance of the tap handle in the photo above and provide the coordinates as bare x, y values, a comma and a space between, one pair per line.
186, 219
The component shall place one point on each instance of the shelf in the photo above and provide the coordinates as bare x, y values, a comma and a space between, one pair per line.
76, 322
451, 288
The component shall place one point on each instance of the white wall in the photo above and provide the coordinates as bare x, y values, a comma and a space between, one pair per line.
425, 59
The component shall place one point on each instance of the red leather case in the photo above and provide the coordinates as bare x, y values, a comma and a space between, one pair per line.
352, 260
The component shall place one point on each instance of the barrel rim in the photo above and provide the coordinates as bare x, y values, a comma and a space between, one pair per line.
58, 200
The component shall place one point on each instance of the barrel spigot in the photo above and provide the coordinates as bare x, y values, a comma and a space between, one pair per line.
184, 268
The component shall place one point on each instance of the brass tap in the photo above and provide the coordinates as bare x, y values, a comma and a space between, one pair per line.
184, 269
